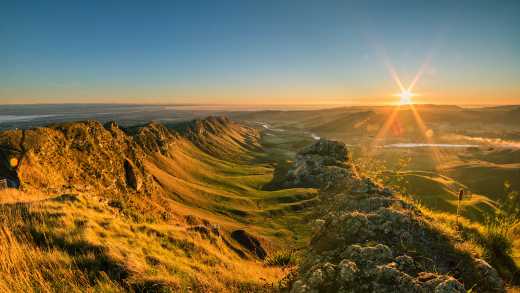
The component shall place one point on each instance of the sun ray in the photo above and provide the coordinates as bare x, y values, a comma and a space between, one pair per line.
406, 95
381, 134
419, 73
394, 75
436, 154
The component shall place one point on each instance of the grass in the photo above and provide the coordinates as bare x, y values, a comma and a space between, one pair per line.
90, 241
116, 242
282, 258
28, 267
492, 241
440, 193
76, 245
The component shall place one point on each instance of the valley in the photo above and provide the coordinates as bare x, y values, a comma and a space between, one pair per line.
170, 228
209, 204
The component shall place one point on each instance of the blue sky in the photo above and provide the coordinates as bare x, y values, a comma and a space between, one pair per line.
270, 52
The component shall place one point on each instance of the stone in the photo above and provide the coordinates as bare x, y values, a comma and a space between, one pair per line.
249, 242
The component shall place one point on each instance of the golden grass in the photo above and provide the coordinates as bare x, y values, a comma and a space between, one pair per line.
85, 241
11, 195
495, 241
96, 241
26, 267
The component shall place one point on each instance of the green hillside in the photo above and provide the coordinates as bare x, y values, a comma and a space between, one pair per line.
148, 208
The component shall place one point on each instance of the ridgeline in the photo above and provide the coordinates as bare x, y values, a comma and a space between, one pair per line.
206, 206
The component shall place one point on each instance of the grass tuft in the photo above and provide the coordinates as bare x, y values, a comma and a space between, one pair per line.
282, 258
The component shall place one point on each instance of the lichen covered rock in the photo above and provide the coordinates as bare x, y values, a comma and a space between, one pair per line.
367, 239
321, 165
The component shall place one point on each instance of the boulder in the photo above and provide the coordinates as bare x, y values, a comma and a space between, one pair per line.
249, 242
133, 178
322, 165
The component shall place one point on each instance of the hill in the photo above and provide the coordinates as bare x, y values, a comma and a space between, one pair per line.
145, 208
369, 239
440, 193
212, 205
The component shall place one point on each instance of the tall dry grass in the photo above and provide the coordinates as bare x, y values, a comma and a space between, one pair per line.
27, 267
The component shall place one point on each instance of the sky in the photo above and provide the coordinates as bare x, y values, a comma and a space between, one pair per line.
259, 52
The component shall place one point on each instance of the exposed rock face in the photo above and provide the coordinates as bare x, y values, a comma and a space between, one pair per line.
322, 164
249, 242
155, 137
105, 159
219, 136
81, 156
369, 240
133, 178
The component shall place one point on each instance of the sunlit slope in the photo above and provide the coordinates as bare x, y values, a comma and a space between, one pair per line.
219, 136
440, 193
76, 242
495, 155
354, 123
197, 179
152, 206
486, 178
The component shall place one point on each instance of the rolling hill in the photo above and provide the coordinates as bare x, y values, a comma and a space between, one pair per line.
148, 206
212, 205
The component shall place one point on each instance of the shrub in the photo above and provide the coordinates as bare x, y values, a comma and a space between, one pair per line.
282, 258
498, 237
497, 242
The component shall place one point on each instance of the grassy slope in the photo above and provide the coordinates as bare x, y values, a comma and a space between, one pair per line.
440, 193
230, 193
485, 177
436, 182
76, 242
62, 242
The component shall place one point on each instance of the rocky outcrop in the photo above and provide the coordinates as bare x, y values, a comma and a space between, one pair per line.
105, 159
220, 136
249, 242
368, 239
133, 178
155, 138
78, 156
323, 164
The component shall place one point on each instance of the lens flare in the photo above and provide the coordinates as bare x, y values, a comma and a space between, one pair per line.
13, 162
406, 97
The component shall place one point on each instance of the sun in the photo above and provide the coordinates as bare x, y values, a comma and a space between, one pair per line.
406, 98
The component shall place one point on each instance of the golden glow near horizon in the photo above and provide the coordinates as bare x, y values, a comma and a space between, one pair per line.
406, 97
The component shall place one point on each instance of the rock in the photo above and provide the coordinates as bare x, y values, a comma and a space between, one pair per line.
249, 242
323, 164
347, 271
133, 178
368, 235
335, 150
450, 286
490, 278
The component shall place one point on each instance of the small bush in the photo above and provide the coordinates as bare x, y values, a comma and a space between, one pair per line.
498, 237
497, 242
117, 203
282, 258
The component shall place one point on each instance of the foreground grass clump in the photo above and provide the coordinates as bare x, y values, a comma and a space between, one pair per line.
498, 239
492, 241
282, 258
26, 267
